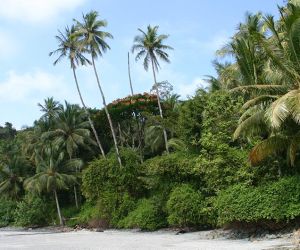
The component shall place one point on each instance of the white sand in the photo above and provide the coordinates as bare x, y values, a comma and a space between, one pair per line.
112, 239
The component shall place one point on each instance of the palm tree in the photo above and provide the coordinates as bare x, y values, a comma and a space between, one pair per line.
35, 143
273, 107
12, 174
71, 132
93, 39
52, 175
228, 76
50, 108
68, 46
150, 46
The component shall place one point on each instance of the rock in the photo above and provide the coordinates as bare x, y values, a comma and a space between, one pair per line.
271, 236
99, 230
181, 232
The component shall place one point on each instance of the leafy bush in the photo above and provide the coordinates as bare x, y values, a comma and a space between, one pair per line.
87, 212
148, 215
111, 208
222, 168
104, 175
221, 162
162, 173
71, 215
190, 119
125, 206
7, 210
94, 178
185, 207
277, 201
32, 210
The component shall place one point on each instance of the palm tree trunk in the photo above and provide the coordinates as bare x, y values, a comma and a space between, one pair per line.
88, 114
130, 83
58, 209
138, 127
75, 196
120, 134
159, 106
74, 188
107, 114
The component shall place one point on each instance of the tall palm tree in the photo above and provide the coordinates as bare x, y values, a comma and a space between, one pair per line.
93, 39
71, 132
150, 46
68, 46
52, 175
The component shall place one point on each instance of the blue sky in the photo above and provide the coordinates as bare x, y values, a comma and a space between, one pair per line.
27, 29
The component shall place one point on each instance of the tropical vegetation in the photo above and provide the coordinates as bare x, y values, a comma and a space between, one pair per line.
227, 155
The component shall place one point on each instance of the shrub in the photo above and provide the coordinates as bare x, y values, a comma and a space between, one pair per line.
71, 215
185, 207
7, 209
111, 208
162, 173
222, 168
87, 212
222, 162
32, 210
105, 175
190, 119
94, 178
148, 215
275, 201
125, 206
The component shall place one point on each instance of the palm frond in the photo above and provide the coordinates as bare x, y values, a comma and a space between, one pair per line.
275, 144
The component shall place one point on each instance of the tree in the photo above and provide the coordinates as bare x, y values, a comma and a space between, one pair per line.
71, 132
272, 110
52, 175
150, 46
93, 39
12, 174
7, 132
68, 46
50, 109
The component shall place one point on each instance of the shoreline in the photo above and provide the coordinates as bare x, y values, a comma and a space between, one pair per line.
130, 239
56, 238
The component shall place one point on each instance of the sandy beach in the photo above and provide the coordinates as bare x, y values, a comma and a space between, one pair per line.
114, 239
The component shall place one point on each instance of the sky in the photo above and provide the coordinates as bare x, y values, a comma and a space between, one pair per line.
197, 28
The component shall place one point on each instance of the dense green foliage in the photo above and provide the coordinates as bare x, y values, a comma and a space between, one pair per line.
7, 208
185, 207
275, 201
31, 211
105, 175
148, 215
228, 154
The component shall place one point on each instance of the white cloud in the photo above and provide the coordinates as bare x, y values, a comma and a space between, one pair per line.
36, 10
187, 90
8, 45
32, 87
213, 44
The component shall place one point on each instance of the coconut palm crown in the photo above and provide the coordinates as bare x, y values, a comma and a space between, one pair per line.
91, 35
69, 46
149, 45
